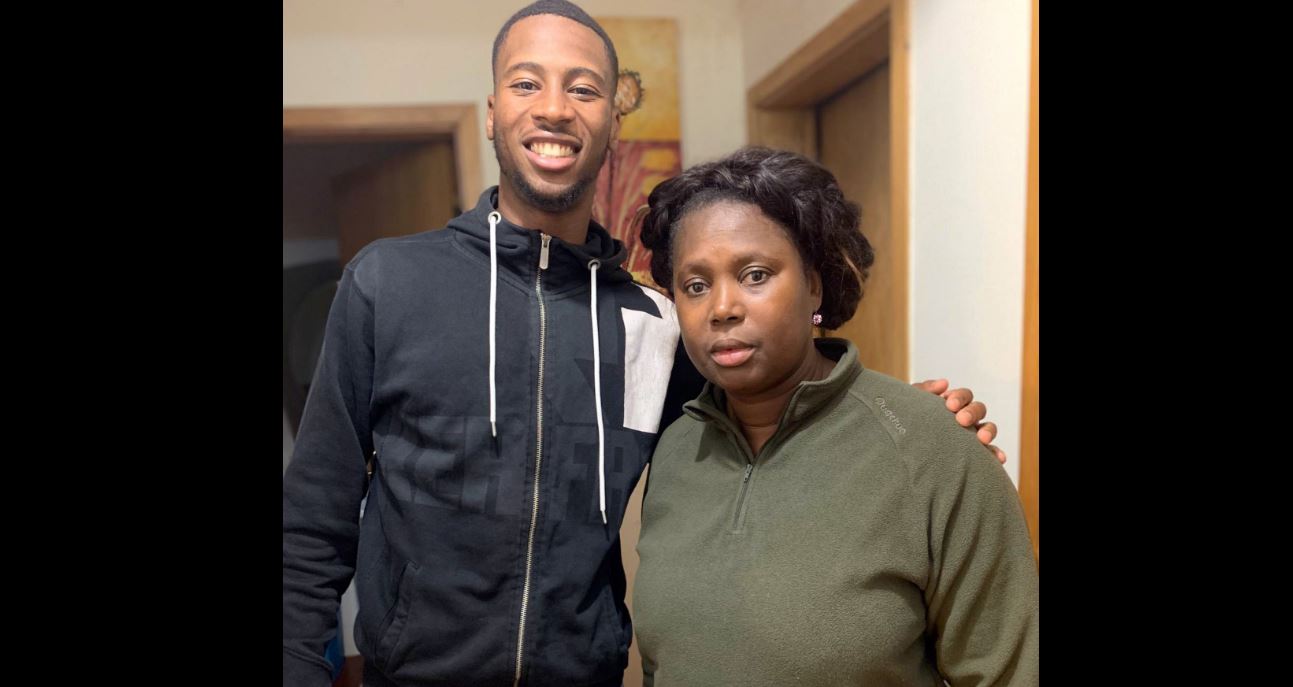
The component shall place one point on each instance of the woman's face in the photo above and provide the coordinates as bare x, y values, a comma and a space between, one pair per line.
744, 303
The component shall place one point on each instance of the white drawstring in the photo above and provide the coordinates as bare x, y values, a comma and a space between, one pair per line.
597, 395
494, 217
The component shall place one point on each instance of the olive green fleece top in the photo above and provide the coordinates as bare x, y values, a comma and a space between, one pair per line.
873, 541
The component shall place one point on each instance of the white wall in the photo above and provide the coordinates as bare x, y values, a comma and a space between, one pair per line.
969, 173
384, 52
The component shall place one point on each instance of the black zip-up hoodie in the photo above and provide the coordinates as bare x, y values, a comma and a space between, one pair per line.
462, 575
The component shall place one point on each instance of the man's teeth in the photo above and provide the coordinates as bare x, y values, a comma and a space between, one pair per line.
552, 149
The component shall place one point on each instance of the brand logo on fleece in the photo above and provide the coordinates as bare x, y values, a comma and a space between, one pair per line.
889, 414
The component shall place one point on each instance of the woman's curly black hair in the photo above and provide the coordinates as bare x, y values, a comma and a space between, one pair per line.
796, 193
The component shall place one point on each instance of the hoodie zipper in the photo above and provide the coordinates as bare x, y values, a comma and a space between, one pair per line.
538, 456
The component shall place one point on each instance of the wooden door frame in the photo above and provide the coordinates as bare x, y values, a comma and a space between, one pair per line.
781, 111
396, 123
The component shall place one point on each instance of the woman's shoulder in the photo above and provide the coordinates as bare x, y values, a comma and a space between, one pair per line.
923, 430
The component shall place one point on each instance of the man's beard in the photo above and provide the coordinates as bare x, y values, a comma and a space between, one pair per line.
553, 203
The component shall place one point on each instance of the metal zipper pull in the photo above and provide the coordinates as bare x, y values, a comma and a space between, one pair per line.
543, 254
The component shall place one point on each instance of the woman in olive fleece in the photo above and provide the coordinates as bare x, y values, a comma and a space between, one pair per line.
809, 521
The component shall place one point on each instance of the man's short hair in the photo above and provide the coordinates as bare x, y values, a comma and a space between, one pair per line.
560, 8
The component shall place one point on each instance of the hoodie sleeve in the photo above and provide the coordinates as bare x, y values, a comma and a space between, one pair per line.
324, 484
685, 383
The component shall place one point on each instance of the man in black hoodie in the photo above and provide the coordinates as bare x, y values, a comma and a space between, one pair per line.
493, 391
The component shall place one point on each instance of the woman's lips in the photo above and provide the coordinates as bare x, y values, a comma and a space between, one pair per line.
731, 356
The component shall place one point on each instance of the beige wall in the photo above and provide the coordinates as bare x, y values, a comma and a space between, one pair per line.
378, 52
773, 29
